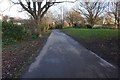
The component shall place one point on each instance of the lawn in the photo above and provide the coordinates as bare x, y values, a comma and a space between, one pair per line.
91, 33
104, 42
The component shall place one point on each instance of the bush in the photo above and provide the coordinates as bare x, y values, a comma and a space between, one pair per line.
88, 26
78, 25
33, 37
52, 26
58, 26
8, 41
12, 32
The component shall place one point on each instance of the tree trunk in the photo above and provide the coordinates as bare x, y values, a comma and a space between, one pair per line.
92, 21
116, 26
37, 28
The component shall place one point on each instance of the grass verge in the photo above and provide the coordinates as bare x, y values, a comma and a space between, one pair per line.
104, 42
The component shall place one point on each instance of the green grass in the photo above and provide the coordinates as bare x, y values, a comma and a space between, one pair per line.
91, 33
103, 42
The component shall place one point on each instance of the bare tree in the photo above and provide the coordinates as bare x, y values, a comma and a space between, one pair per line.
113, 6
37, 9
74, 17
47, 20
91, 10
60, 14
118, 15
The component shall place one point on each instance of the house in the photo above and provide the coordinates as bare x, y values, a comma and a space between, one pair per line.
15, 20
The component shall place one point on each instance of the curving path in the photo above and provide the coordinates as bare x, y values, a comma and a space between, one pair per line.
63, 57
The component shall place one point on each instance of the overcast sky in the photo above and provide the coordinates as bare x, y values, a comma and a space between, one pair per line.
13, 11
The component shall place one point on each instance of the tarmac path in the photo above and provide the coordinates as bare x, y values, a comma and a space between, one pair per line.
63, 57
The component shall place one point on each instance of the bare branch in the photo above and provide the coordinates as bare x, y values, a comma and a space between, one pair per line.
91, 10
14, 2
34, 8
37, 9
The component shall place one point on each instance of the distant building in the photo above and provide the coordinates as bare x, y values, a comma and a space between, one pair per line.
15, 20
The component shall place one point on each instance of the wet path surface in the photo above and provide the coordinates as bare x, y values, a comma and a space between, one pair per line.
63, 57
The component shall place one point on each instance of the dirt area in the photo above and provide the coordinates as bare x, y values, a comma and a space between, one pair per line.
15, 58
105, 48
